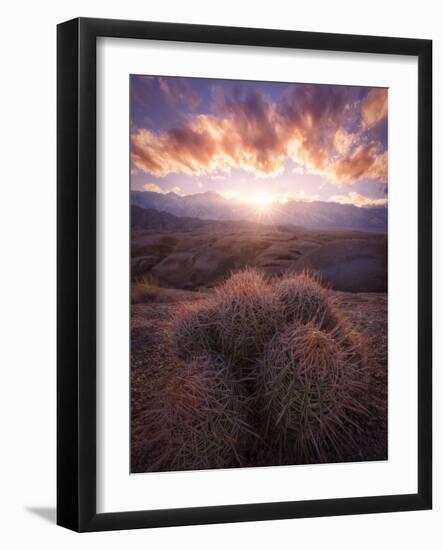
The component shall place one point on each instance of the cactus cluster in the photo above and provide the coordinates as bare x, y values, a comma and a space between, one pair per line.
264, 372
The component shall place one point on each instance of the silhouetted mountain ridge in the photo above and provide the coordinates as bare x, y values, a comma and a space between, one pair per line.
154, 220
315, 215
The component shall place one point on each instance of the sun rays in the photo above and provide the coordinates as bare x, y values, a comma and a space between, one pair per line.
261, 201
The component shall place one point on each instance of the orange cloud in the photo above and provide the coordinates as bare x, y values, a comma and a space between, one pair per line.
153, 188
367, 161
205, 144
343, 141
358, 200
257, 135
375, 107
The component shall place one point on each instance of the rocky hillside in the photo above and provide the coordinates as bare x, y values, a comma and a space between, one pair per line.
187, 253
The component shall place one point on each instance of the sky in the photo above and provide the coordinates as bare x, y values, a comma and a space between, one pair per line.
259, 142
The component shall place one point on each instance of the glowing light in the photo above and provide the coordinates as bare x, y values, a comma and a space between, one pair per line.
261, 201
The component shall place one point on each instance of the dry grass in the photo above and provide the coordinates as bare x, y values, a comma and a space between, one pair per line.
144, 289
259, 372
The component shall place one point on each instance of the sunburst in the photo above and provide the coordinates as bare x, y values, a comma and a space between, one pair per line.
261, 201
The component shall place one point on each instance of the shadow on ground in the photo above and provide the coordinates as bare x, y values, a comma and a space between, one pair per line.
46, 513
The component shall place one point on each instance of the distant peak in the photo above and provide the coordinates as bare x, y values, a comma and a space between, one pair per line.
205, 195
210, 194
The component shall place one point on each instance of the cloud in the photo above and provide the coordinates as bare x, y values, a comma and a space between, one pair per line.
276, 197
153, 188
177, 190
343, 141
367, 161
375, 107
358, 200
298, 196
231, 195
252, 132
179, 90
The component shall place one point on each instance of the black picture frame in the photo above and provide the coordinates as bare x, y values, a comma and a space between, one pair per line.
76, 296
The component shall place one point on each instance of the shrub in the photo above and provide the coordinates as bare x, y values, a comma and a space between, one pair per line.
199, 421
314, 384
145, 289
304, 299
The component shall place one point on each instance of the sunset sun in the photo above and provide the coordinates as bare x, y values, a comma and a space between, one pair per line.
261, 201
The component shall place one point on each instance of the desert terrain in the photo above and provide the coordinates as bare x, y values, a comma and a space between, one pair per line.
191, 253
183, 260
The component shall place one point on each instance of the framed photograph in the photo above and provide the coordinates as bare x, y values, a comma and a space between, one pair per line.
244, 274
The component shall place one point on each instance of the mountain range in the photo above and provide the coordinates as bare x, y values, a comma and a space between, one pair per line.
154, 220
213, 206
